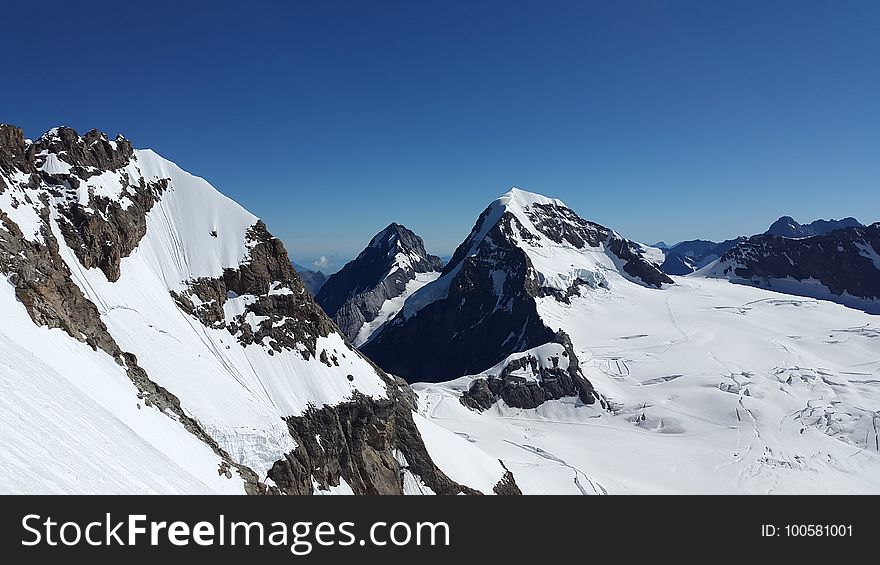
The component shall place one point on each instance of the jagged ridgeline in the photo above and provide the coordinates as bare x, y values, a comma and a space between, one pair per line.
158, 339
483, 315
372, 288
841, 265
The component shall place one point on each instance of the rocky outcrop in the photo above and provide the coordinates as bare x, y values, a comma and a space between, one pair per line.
355, 441
15, 153
685, 257
88, 155
635, 265
103, 231
270, 289
561, 224
355, 295
43, 285
100, 231
362, 443
527, 381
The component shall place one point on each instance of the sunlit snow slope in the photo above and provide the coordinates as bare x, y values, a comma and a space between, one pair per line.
711, 387
196, 345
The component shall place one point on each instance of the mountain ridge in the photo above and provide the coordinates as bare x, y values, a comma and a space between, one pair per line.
153, 285
371, 288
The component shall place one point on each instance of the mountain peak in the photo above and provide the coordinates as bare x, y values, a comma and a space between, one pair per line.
397, 238
386, 269
519, 198
388, 235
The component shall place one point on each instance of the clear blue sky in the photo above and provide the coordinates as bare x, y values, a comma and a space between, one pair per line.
663, 120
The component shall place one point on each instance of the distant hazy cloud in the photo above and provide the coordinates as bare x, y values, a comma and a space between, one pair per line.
321, 262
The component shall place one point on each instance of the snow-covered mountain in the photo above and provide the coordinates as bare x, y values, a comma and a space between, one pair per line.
313, 280
155, 338
693, 384
371, 289
484, 307
842, 265
786, 226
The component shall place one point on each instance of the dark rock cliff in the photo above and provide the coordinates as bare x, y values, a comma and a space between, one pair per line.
355, 294
845, 261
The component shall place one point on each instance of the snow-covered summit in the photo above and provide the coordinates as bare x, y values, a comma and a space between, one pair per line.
522, 247
517, 198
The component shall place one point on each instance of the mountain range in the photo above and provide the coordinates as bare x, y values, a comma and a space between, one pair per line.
786, 226
156, 338
689, 256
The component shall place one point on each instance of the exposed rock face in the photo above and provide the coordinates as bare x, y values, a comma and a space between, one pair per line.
15, 153
688, 256
43, 285
845, 262
384, 270
528, 380
357, 442
786, 226
271, 290
102, 232
359, 439
483, 307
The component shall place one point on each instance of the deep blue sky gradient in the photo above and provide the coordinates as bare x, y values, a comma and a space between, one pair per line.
663, 120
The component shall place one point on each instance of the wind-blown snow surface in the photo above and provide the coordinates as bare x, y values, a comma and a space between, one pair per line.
70, 417
715, 388
71, 422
